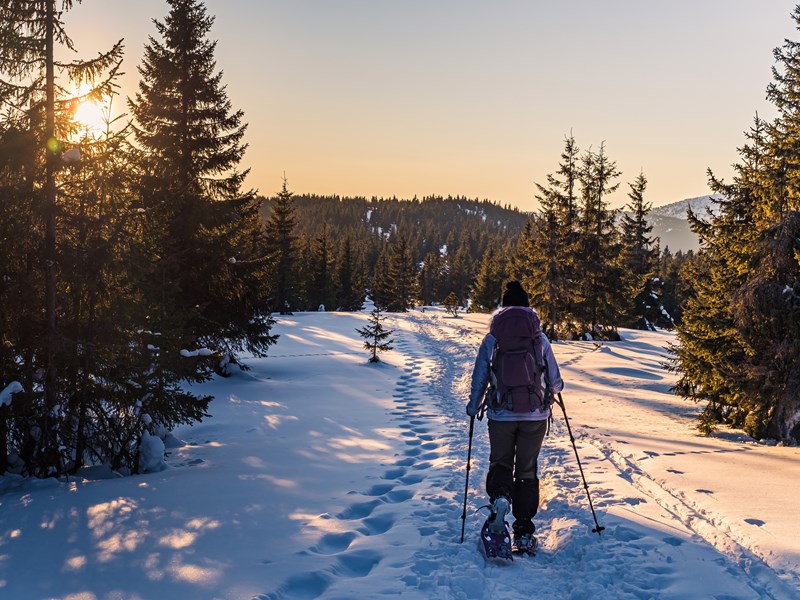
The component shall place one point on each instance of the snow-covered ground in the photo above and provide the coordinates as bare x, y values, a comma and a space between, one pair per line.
322, 476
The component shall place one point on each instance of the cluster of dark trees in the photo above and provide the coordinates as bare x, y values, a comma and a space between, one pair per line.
334, 251
739, 343
589, 269
131, 261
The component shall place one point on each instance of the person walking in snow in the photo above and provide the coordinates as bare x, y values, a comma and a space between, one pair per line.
514, 380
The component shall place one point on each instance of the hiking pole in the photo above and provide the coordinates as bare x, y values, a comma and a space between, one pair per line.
598, 528
466, 486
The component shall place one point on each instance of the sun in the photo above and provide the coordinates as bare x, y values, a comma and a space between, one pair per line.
91, 118
89, 114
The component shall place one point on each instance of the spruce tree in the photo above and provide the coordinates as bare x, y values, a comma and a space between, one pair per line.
303, 270
487, 288
281, 248
738, 348
552, 258
710, 354
350, 276
322, 285
35, 90
600, 294
672, 282
639, 257
458, 272
394, 282
209, 265
451, 304
561, 219
375, 336
430, 278
381, 284
547, 285
522, 259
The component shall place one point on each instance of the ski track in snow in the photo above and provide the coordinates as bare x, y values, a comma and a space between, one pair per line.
423, 489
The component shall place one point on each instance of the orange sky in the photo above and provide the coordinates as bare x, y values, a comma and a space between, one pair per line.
463, 97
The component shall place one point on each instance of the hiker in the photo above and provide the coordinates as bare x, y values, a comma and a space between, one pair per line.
521, 384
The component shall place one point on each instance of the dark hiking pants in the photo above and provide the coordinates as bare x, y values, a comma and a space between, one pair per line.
513, 460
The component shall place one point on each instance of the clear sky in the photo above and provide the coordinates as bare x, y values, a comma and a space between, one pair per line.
474, 98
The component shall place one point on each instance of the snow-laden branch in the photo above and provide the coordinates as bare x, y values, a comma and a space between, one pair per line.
15, 387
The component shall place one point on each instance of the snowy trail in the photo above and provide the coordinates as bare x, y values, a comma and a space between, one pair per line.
320, 476
620, 565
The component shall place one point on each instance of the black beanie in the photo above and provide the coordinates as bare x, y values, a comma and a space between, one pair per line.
515, 295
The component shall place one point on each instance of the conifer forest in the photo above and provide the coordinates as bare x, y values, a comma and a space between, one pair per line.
136, 260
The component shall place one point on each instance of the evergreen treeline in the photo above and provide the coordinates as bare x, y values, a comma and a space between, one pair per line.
132, 260
589, 269
399, 252
739, 344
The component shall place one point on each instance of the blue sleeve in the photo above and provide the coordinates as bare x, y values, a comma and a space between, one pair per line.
553, 372
480, 373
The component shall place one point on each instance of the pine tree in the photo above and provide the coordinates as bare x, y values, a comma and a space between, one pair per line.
37, 122
487, 288
451, 304
322, 285
375, 335
430, 278
350, 277
281, 247
394, 283
210, 268
600, 294
639, 257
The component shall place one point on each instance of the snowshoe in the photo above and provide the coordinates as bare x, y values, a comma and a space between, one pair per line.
495, 535
496, 544
525, 544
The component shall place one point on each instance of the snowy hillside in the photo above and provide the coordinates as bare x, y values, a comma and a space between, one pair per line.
678, 210
670, 224
322, 476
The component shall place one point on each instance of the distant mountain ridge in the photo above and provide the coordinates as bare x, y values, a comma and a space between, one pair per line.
678, 210
670, 222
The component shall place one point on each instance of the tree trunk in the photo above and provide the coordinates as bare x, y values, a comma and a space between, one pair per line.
49, 214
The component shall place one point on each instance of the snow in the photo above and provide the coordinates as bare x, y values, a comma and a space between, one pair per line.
151, 454
319, 475
194, 353
7, 395
71, 156
678, 210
